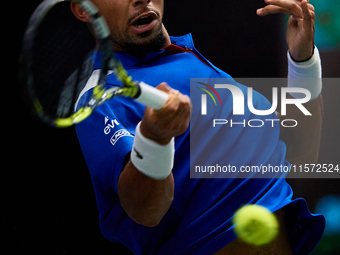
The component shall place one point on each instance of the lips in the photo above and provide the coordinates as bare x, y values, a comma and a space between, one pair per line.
144, 22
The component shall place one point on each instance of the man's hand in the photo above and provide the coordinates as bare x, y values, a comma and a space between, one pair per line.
300, 27
170, 121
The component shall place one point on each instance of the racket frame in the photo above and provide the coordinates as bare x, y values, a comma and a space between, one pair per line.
151, 96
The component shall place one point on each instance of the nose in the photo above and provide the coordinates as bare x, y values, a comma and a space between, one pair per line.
140, 2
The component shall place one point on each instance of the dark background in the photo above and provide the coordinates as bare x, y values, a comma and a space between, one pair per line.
47, 200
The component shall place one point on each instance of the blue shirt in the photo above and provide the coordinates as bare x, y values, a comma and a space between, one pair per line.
199, 219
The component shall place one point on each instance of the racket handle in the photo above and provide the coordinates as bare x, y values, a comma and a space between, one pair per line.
151, 96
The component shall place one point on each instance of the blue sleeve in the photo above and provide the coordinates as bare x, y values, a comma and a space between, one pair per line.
105, 141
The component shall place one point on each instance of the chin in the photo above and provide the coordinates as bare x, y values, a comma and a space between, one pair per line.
147, 42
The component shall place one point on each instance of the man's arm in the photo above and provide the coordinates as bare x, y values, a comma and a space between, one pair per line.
302, 141
145, 199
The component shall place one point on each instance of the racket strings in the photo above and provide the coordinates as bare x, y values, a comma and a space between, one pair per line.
70, 93
60, 60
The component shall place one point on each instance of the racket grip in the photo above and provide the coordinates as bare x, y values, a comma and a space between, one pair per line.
151, 96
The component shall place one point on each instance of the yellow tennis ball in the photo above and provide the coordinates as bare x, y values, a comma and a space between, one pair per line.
255, 225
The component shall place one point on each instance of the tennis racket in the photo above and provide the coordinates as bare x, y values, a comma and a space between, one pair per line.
56, 65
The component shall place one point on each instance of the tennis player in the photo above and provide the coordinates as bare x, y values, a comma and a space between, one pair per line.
139, 157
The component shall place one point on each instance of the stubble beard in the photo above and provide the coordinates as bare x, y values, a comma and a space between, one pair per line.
143, 45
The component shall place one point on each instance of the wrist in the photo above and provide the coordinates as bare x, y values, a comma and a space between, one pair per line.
303, 54
158, 138
310, 68
151, 158
306, 75
302, 58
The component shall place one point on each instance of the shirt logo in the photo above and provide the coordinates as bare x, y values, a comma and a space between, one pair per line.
109, 125
119, 134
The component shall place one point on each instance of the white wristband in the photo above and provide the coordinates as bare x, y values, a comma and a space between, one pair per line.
152, 159
305, 75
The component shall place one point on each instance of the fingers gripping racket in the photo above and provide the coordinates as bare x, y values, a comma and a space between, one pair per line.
56, 64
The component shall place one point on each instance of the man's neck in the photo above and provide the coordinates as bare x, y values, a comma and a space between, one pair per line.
167, 37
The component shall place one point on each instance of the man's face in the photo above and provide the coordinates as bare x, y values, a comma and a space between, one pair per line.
136, 25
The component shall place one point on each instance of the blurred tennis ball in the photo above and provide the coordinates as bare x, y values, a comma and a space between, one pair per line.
255, 225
